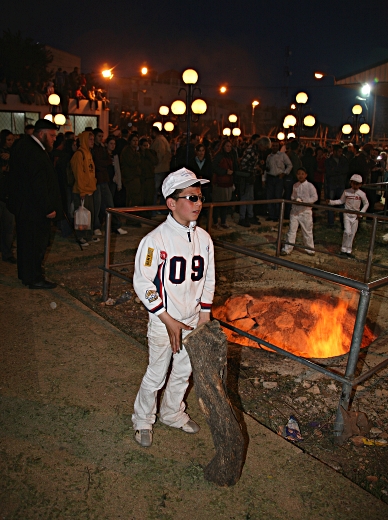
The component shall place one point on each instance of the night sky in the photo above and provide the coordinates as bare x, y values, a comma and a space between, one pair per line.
239, 43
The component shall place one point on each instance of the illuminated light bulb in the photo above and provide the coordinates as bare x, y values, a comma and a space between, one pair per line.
163, 110
178, 107
59, 119
198, 106
54, 99
190, 77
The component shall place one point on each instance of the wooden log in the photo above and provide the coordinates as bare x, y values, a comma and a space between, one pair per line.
207, 348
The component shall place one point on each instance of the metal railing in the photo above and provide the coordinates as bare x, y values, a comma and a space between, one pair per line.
364, 288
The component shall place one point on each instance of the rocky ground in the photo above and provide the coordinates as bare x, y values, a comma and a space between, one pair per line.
265, 385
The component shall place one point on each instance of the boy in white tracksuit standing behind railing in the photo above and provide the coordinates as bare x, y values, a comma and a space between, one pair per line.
303, 191
352, 198
174, 278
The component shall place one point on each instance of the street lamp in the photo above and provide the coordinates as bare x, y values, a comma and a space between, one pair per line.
144, 70
320, 75
169, 126
357, 128
163, 111
191, 108
236, 132
223, 89
158, 124
54, 116
254, 105
301, 99
107, 74
281, 136
226, 131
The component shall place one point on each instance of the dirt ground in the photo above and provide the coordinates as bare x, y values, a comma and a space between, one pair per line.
69, 408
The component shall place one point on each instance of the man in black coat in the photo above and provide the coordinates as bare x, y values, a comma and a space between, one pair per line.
35, 200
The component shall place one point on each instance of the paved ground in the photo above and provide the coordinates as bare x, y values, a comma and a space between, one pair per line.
67, 388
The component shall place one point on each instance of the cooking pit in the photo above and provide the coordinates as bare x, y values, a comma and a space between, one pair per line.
304, 323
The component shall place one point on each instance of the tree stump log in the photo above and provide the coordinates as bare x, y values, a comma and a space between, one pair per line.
207, 348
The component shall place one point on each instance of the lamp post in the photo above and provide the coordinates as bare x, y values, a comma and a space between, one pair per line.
358, 127
254, 105
301, 100
163, 111
290, 121
54, 116
319, 75
192, 108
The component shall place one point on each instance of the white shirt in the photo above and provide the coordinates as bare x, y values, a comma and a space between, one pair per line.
303, 192
174, 270
39, 143
278, 163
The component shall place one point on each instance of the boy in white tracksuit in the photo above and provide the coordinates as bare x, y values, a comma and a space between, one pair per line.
303, 191
175, 279
352, 198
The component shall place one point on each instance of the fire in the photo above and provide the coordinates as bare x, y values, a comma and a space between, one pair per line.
326, 339
313, 329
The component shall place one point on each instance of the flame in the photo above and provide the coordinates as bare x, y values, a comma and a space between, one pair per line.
318, 329
326, 338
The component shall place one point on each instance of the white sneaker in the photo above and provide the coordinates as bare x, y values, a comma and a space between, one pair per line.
144, 438
83, 242
97, 232
95, 239
121, 231
190, 427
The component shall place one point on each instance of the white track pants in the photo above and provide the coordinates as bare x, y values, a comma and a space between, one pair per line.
350, 229
172, 409
305, 220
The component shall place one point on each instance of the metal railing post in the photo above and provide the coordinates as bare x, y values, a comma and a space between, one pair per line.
368, 267
358, 332
106, 275
281, 218
209, 218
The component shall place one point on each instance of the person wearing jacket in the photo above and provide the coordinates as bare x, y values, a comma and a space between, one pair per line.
162, 147
102, 197
337, 168
85, 183
148, 162
202, 166
174, 278
35, 200
224, 166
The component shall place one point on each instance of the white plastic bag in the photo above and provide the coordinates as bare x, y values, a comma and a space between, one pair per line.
82, 218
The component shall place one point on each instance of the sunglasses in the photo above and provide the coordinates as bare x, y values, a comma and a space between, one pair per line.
193, 198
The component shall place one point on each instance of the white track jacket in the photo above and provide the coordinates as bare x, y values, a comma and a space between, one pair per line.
174, 270
352, 200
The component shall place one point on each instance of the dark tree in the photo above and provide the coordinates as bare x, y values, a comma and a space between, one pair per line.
22, 59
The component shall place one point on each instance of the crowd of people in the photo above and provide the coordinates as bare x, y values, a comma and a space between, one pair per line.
73, 85
127, 169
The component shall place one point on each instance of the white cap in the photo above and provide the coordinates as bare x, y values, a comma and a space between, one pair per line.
356, 178
179, 180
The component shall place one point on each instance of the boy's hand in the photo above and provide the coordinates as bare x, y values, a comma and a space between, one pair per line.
174, 330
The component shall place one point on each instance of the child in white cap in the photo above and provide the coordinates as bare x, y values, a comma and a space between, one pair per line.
174, 278
352, 198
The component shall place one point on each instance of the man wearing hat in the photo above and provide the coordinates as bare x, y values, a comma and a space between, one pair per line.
352, 198
174, 278
35, 201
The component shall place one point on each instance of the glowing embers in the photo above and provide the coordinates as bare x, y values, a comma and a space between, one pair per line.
307, 325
